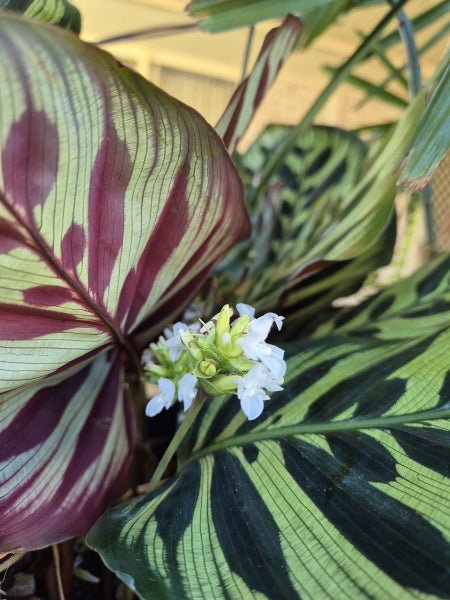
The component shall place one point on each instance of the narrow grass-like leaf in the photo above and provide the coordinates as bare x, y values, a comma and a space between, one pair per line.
57, 12
249, 95
116, 201
339, 490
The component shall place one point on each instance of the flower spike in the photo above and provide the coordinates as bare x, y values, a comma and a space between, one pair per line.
221, 357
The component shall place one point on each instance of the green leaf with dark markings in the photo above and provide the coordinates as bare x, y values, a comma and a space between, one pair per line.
56, 12
279, 269
340, 488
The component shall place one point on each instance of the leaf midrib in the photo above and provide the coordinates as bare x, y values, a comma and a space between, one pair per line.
79, 290
318, 428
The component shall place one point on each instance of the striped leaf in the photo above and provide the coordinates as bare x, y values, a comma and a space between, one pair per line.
339, 490
116, 201
303, 204
57, 12
245, 101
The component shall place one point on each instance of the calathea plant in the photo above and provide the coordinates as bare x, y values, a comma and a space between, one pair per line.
116, 204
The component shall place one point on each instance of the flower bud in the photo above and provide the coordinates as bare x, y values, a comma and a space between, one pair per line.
223, 323
208, 368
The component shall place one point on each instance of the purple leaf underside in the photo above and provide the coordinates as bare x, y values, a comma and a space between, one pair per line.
116, 202
251, 92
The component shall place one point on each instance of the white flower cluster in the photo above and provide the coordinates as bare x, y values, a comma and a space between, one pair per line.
265, 364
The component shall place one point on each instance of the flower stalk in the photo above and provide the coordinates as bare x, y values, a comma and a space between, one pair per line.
189, 418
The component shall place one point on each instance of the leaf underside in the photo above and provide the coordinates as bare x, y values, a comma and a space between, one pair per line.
339, 490
250, 93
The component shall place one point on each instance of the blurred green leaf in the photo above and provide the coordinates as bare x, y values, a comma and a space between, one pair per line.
302, 204
431, 140
324, 222
56, 12
221, 15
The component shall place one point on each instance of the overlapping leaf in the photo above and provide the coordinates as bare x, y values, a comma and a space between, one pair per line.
406, 309
245, 101
57, 12
304, 203
116, 201
339, 490
431, 140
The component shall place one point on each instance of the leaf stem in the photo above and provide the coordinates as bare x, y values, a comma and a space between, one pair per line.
177, 439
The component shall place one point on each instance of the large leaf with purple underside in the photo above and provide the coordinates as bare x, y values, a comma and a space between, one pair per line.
57, 12
116, 201
249, 95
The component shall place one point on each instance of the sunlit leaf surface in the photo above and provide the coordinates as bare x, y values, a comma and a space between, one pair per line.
116, 201
339, 490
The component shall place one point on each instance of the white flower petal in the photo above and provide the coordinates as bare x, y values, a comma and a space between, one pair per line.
174, 343
162, 400
252, 406
250, 390
277, 320
187, 389
272, 359
259, 328
245, 309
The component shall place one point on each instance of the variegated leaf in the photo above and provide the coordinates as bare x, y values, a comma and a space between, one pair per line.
116, 201
361, 217
249, 95
404, 310
339, 490
57, 12
302, 205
